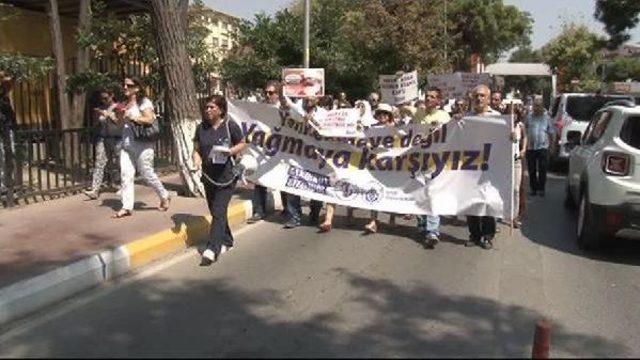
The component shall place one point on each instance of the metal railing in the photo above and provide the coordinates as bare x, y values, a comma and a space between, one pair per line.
45, 164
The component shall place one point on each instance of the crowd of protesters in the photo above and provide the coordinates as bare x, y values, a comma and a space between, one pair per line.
218, 143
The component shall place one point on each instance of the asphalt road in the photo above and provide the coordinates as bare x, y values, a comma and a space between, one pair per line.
294, 293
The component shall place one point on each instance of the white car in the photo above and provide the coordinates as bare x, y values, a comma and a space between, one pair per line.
571, 113
604, 176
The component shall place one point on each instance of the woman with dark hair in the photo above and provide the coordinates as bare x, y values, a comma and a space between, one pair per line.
136, 112
217, 142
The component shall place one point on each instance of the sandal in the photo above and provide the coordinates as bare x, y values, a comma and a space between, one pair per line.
324, 228
371, 228
122, 213
164, 204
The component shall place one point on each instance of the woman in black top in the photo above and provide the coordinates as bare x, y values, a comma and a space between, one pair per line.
216, 144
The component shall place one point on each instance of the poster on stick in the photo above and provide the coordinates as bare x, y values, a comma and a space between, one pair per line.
458, 84
399, 88
303, 82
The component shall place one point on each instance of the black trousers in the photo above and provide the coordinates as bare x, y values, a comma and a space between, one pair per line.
294, 210
480, 226
537, 164
259, 200
218, 198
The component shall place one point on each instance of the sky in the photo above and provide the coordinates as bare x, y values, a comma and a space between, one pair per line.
548, 15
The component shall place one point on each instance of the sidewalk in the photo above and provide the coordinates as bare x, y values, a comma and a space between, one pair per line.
41, 240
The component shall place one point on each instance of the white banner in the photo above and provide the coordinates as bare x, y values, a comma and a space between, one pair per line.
463, 168
399, 88
457, 85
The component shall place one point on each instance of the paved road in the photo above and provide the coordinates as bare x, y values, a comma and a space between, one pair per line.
299, 293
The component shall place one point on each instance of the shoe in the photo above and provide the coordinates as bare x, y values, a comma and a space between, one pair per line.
90, 194
541, 193
517, 224
164, 204
533, 193
371, 228
431, 240
487, 242
255, 218
225, 249
325, 228
314, 219
472, 242
291, 224
208, 258
122, 213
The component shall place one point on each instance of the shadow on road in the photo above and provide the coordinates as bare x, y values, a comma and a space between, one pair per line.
377, 318
550, 224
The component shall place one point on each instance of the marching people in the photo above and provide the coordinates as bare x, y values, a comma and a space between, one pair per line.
217, 143
107, 140
482, 229
460, 107
374, 100
306, 110
540, 132
343, 103
259, 198
384, 115
496, 102
138, 133
429, 225
520, 141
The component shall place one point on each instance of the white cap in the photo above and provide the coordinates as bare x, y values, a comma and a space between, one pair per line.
384, 107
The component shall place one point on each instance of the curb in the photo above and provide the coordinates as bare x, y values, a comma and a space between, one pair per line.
27, 296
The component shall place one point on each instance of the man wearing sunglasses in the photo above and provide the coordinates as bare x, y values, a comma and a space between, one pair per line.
259, 199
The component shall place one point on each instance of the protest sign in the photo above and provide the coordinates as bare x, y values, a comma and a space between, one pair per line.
340, 123
462, 168
399, 88
303, 82
458, 84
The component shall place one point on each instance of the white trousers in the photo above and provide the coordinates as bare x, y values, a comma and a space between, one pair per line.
142, 155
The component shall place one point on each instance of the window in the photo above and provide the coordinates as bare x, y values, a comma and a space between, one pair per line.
581, 108
597, 127
630, 132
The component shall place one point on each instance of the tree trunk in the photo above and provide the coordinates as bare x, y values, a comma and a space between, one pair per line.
82, 56
183, 110
60, 73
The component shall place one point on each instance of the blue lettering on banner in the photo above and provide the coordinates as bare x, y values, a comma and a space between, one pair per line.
302, 179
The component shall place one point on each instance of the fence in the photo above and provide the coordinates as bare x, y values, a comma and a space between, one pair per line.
47, 164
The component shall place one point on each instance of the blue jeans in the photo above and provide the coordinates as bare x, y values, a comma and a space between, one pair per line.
429, 224
294, 210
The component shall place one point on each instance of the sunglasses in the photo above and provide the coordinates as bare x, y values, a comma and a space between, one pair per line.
129, 85
269, 92
210, 106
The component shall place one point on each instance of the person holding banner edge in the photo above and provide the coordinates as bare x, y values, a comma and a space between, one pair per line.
217, 142
482, 229
259, 199
429, 225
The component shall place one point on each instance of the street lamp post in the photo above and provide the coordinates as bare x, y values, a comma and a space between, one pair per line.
307, 11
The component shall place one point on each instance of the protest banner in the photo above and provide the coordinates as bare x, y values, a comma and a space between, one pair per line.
303, 82
462, 168
399, 88
458, 84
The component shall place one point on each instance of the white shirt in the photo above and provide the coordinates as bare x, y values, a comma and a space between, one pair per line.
133, 112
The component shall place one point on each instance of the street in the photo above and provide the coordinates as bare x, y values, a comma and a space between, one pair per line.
297, 293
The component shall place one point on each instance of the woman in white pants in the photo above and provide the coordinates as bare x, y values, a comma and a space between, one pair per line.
138, 109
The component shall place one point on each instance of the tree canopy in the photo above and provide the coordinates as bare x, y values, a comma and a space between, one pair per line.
356, 40
618, 17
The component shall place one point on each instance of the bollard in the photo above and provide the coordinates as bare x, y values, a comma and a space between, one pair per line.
541, 340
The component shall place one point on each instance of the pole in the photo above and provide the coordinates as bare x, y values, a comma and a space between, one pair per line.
307, 11
513, 172
445, 31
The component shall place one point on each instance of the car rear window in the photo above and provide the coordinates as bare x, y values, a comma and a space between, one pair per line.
630, 132
583, 107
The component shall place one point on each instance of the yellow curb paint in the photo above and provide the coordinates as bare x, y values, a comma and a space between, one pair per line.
156, 246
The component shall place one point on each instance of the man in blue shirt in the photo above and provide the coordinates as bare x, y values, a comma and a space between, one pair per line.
540, 132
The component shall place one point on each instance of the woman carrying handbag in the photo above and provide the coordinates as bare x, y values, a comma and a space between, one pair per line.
139, 132
217, 143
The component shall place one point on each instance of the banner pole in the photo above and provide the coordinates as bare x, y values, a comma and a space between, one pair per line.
513, 171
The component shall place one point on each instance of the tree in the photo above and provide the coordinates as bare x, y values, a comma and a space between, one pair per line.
575, 54
169, 18
488, 28
622, 69
618, 17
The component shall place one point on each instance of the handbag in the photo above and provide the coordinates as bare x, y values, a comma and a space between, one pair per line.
150, 132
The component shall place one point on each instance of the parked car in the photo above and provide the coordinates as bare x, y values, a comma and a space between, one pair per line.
604, 177
571, 113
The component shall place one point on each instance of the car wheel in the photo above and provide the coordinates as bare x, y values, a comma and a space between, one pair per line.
587, 232
569, 203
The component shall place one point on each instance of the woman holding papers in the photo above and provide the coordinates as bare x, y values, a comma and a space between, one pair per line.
217, 142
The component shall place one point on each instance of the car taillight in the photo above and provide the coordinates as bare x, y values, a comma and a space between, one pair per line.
617, 164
